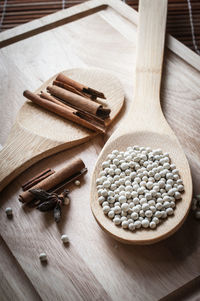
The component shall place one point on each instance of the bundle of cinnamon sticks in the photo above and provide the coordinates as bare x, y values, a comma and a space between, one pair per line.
73, 101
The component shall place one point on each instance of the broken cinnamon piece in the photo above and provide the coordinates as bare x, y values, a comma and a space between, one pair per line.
73, 168
65, 112
38, 178
80, 87
94, 93
103, 113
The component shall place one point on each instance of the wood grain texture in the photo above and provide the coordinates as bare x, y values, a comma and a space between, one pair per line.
14, 283
188, 292
118, 271
38, 133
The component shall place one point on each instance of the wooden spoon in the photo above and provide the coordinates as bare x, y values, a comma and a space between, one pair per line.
38, 133
145, 125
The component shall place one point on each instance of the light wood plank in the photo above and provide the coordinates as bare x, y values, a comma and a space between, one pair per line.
14, 283
118, 271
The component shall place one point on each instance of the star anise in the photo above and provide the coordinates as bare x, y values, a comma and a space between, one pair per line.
50, 201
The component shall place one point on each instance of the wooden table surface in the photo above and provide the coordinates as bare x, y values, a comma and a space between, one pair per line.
94, 266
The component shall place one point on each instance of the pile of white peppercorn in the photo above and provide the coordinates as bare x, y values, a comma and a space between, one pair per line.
139, 187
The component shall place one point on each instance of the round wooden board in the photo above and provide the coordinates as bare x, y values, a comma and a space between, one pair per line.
46, 124
38, 133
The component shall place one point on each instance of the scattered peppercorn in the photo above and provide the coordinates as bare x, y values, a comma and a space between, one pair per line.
66, 201
65, 238
43, 257
9, 212
77, 183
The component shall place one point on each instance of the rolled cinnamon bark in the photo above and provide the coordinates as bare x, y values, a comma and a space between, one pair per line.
82, 88
71, 169
38, 178
75, 100
72, 89
65, 79
52, 99
81, 113
63, 110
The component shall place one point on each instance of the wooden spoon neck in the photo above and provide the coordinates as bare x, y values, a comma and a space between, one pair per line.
147, 87
149, 58
146, 100
147, 110
145, 114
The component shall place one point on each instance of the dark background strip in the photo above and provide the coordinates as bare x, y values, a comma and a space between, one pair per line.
16, 12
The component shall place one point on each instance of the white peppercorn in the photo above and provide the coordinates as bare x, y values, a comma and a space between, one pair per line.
117, 209
117, 221
101, 199
134, 215
169, 211
106, 209
9, 212
124, 224
111, 214
152, 225
125, 206
155, 220
137, 224
43, 257
131, 227
65, 238
66, 200
163, 214
145, 223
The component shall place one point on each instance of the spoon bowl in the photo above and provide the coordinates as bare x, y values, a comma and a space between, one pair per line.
146, 126
154, 140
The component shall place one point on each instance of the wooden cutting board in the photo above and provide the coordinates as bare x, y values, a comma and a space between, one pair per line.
94, 266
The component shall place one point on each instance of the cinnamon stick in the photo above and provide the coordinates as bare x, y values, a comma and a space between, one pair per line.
80, 113
74, 100
72, 89
66, 112
79, 102
72, 168
69, 180
52, 99
38, 178
82, 88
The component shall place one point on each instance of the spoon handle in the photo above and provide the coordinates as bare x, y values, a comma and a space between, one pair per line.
149, 54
